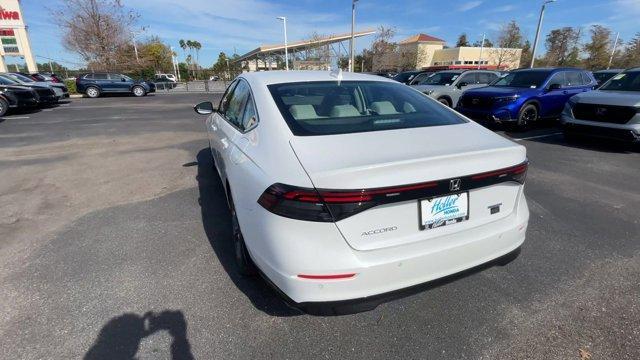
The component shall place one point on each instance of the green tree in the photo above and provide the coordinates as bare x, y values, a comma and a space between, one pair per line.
598, 50
631, 56
525, 58
462, 40
487, 43
563, 48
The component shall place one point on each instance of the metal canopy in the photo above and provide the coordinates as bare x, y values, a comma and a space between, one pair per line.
265, 50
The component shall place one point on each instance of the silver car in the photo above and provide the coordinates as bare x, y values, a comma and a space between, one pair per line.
611, 112
59, 88
447, 86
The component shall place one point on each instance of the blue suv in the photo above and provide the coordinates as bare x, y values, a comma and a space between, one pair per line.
526, 95
95, 84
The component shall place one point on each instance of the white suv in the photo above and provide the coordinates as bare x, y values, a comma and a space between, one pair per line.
611, 112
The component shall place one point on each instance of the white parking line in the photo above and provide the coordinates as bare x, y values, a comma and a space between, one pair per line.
16, 117
47, 110
537, 137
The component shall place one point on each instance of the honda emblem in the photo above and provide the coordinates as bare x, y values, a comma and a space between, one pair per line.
454, 185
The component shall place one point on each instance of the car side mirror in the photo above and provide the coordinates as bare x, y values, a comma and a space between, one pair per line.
204, 108
462, 84
555, 86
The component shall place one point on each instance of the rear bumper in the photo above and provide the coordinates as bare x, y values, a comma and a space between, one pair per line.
618, 132
388, 273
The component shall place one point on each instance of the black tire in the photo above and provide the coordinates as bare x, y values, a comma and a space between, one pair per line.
570, 136
528, 114
244, 264
445, 101
4, 107
92, 92
138, 91
508, 258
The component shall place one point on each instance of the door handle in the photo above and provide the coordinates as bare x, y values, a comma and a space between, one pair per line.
565, 92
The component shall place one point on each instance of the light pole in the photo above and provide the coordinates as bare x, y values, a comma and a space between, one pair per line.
481, 49
613, 52
352, 42
286, 49
535, 42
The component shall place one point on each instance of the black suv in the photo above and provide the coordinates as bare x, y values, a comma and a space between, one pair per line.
95, 84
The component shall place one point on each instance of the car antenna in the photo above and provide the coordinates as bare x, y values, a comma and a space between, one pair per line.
337, 73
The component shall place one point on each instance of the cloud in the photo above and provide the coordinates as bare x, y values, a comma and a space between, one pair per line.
469, 5
505, 8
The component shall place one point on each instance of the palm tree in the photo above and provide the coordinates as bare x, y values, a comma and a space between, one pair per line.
197, 46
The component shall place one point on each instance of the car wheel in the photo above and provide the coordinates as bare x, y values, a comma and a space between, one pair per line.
508, 258
445, 101
138, 91
527, 115
244, 264
4, 107
92, 92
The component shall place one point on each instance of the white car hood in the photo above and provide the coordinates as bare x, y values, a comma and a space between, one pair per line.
406, 156
620, 98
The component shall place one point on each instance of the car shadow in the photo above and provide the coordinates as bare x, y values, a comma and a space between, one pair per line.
216, 220
121, 336
589, 143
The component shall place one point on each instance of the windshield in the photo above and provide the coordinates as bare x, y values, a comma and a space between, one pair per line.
523, 79
628, 81
441, 78
21, 78
329, 107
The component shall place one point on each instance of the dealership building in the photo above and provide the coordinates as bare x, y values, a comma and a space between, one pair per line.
13, 36
423, 51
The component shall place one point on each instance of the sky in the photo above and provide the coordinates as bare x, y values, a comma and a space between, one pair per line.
243, 25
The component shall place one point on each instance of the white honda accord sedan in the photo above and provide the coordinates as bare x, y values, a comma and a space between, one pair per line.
346, 189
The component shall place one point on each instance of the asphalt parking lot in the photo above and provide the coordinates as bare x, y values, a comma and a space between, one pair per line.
115, 244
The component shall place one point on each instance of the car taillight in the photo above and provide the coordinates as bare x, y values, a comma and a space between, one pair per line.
516, 173
327, 205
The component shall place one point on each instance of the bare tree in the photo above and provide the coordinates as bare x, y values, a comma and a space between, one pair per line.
510, 43
98, 30
383, 50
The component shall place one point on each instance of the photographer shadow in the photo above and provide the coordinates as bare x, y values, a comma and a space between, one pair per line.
120, 338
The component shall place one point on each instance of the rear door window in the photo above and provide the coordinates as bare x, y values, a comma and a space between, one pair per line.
573, 78
100, 77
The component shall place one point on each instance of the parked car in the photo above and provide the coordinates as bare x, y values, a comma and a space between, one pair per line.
602, 76
406, 77
170, 77
46, 77
421, 77
523, 96
447, 86
332, 207
12, 97
46, 95
59, 88
96, 84
611, 112
164, 82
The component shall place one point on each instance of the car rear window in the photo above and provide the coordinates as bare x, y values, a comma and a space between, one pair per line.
332, 107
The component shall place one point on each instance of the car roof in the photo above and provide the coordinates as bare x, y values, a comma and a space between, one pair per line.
608, 71
282, 76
